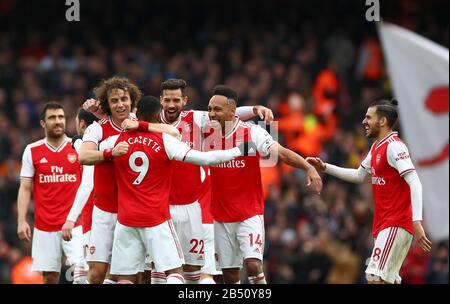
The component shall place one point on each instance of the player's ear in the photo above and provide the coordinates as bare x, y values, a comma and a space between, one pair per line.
82, 125
383, 121
185, 100
42, 123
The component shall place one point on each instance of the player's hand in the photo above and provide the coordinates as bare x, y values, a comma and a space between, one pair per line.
247, 148
420, 236
129, 124
168, 129
24, 231
264, 113
316, 163
314, 180
67, 230
91, 105
120, 149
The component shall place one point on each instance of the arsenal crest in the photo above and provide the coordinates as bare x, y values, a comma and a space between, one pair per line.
72, 157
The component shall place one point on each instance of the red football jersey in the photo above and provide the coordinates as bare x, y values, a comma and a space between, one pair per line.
387, 162
105, 191
236, 187
186, 182
56, 175
143, 177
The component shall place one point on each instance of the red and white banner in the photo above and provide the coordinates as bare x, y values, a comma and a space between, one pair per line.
419, 71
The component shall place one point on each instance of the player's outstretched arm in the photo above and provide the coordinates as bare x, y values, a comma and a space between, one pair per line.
293, 159
144, 126
23, 202
356, 176
177, 150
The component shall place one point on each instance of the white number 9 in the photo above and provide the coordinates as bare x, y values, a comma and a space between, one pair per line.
142, 169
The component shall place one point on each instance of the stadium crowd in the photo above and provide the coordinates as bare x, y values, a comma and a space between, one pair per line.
316, 65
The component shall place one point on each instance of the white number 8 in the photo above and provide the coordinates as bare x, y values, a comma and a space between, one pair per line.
142, 169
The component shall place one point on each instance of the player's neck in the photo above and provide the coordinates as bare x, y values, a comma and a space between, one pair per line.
383, 133
117, 122
55, 142
166, 120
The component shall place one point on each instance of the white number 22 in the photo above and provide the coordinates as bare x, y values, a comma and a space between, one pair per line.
142, 169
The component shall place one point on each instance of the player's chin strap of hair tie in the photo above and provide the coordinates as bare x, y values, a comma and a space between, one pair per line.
143, 126
107, 154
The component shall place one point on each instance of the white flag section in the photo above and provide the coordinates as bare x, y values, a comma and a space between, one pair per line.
418, 69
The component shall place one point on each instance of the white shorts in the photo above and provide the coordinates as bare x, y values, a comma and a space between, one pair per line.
391, 247
47, 249
102, 236
210, 253
131, 245
187, 220
238, 241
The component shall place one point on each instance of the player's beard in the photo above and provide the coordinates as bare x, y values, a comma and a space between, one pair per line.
374, 131
172, 117
51, 133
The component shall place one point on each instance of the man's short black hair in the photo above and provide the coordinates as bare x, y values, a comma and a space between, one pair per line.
148, 108
174, 84
388, 109
86, 116
51, 105
227, 91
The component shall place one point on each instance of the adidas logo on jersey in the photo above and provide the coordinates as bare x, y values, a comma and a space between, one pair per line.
43, 161
200, 258
257, 250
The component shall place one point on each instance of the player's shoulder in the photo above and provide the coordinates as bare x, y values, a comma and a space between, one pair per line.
395, 141
103, 121
187, 113
35, 144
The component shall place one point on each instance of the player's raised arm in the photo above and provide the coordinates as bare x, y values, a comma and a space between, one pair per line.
248, 112
143, 126
93, 106
176, 150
